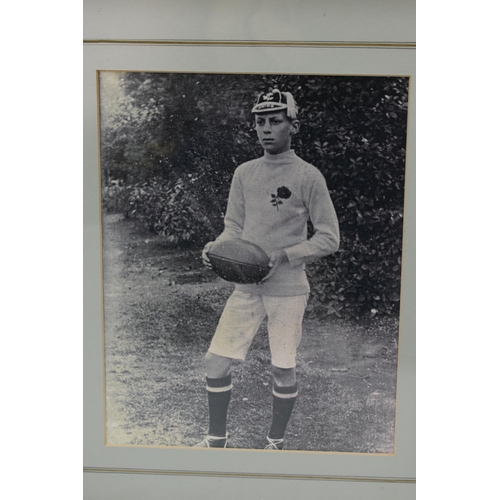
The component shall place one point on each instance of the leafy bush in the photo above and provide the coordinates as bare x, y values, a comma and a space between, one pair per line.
364, 276
166, 207
115, 197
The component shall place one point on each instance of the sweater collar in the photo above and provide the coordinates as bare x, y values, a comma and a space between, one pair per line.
281, 158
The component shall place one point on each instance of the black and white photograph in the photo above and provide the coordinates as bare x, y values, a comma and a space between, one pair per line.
252, 240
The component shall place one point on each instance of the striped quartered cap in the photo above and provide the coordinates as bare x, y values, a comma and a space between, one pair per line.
275, 101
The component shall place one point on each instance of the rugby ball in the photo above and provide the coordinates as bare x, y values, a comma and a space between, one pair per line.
239, 261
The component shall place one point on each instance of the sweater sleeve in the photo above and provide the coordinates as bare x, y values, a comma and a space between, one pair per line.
235, 212
326, 238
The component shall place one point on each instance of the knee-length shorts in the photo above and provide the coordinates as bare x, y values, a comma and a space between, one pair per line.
244, 313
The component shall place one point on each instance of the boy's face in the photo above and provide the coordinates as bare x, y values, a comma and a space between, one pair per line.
275, 131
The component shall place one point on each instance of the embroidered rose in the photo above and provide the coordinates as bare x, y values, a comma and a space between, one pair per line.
283, 193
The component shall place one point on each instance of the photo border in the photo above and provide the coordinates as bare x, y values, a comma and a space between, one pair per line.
259, 57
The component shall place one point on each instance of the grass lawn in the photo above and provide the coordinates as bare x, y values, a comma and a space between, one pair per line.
161, 309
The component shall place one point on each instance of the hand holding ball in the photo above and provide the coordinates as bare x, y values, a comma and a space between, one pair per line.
238, 261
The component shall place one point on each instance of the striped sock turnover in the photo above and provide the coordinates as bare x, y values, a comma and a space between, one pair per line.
283, 402
219, 396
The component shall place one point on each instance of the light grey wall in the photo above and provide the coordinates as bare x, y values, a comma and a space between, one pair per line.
339, 20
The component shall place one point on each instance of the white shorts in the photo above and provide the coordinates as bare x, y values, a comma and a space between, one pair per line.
242, 316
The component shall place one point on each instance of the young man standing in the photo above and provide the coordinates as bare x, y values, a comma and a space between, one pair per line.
270, 202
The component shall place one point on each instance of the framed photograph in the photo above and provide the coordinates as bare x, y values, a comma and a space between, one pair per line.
166, 127
170, 144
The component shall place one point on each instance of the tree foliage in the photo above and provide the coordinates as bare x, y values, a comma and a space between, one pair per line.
171, 142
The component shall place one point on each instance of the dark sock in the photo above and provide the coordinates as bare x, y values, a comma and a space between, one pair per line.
219, 395
283, 401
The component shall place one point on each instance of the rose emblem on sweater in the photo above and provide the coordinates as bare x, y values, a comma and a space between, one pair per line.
283, 193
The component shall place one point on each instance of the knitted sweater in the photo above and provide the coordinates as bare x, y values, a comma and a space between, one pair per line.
270, 201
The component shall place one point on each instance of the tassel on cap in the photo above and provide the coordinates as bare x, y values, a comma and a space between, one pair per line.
291, 106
